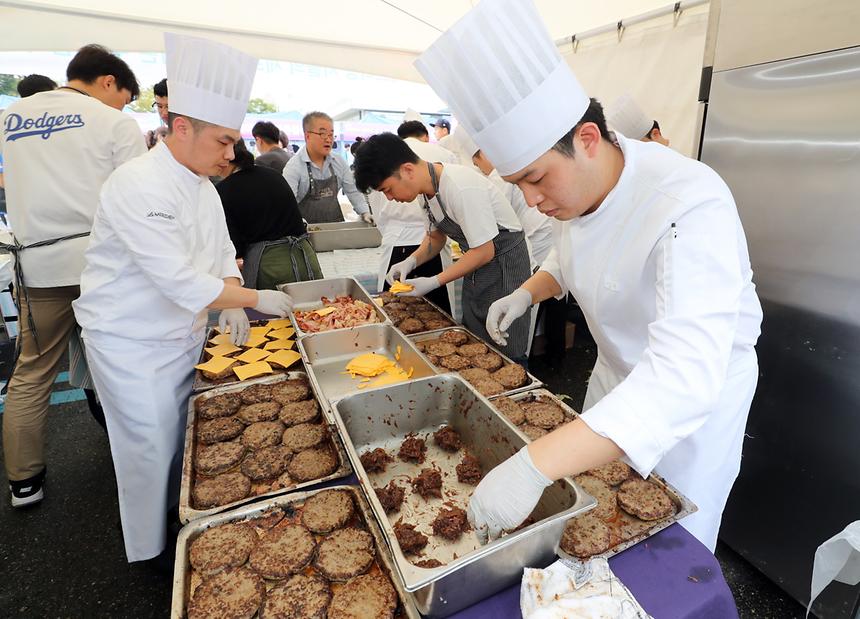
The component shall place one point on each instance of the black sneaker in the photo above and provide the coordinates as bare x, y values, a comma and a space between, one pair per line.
28, 491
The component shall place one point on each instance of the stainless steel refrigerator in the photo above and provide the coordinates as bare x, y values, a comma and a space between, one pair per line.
785, 136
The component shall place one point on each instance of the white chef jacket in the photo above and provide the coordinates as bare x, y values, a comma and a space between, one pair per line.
662, 274
158, 252
536, 226
60, 146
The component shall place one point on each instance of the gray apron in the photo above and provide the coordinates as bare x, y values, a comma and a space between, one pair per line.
507, 271
320, 205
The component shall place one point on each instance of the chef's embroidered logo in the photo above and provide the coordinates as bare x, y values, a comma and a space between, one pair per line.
160, 214
17, 127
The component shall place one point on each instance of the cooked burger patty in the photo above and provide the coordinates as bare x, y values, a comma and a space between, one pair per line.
411, 541
512, 375
227, 545
375, 461
614, 473
645, 500
269, 518
222, 405
262, 434
235, 592
293, 390
256, 393
437, 323
412, 449
457, 338
304, 436
428, 483
261, 411
428, 564
411, 325
312, 464
217, 458
390, 497
327, 510
510, 409
283, 551
469, 470
370, 596
441, 349
294, 413
543, 414
473, 374
607, 503
488, 387
394, 306
222, 429
489, 361
345, 553
450, 522
455, 362
447, 438
220, 490
266, 463
302, 596
471, 350
585, 536
533, 432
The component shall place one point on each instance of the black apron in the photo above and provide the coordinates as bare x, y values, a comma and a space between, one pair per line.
320, 205
507, 271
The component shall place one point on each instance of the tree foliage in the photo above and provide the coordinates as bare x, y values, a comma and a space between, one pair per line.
261, 106
144, 102
9, 83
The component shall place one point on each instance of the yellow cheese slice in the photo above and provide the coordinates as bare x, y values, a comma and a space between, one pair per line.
279, 345
282, 334
325, 311
222, 350
398, 287
397, 353
279, 323
260, 330
255, 340
224, 338
379, 301
252, 355
216, 365
244, 372
368, 364
284, 358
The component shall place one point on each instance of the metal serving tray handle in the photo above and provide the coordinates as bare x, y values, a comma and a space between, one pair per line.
188, 513
182, 568
308, 295
382, 418
533, 382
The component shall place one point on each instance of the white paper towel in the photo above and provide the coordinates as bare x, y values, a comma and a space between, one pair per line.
550, 594
837, 559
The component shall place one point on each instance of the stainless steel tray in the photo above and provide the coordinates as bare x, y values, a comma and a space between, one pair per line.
532, 383
344, 235
184, 580
308, 295
433, 307
383, 418
201, 383
187, 512
684, 507
326, 355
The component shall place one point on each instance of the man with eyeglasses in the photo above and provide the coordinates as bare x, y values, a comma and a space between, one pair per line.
315, 176
160, 103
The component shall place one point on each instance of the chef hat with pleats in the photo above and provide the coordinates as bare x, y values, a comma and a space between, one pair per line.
411, 114
208, 81
502, 76
628, 118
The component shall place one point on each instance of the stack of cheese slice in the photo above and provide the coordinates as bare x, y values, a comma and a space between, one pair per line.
398, 287
267, 345
373, 365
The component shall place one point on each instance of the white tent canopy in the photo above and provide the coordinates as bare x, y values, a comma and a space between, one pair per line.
379, 37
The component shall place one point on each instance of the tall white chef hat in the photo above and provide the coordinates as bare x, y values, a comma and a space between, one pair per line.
411, 114
628, 118
501, 74
208, 81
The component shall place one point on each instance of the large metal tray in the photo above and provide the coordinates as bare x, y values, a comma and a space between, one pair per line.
442, 314
344, 235
326, 355
533, 382
383, 418
187, 512
201, 383
308, 295
184, 580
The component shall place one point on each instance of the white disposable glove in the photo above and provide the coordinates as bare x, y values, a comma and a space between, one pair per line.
505, 311
506, 496
236, 321
421, 286
273, 303
401, 270
367, 218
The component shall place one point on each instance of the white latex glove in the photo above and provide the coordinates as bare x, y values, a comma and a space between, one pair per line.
421, 286
236, 320
506, 496
273, 303
401, 270
367, 218
506, 310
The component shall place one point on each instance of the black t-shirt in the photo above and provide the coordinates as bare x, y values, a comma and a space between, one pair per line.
259, 206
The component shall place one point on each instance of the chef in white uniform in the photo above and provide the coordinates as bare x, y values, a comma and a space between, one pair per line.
159, 257
648, 242
625, 116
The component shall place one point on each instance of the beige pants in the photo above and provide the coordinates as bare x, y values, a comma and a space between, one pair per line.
29, 394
